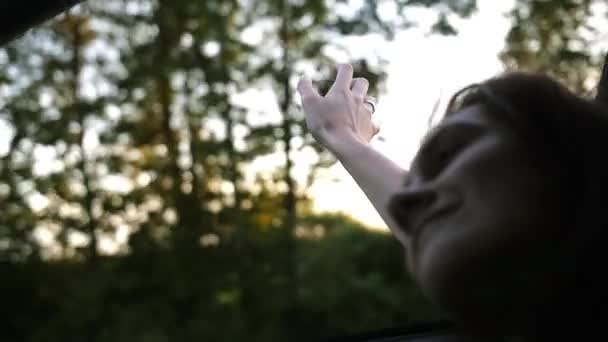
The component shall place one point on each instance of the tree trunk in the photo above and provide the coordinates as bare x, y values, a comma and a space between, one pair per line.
290, 218
91, 224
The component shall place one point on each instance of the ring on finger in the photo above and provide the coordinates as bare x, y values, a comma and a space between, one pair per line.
372, 102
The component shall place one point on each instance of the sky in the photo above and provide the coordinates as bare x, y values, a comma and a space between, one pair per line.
421, 69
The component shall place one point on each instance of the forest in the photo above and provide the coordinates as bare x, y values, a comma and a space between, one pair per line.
130, 210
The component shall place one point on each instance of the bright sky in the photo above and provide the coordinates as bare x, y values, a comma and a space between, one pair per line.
422, 68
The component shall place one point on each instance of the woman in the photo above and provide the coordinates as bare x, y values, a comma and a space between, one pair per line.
501, 213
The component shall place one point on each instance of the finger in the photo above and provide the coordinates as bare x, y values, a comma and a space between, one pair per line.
306, 90
343, 78
359, 87
376, 128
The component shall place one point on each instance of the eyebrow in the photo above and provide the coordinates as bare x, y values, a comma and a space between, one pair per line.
439, 127
431, 138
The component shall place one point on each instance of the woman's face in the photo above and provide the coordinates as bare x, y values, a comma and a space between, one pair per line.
478, 217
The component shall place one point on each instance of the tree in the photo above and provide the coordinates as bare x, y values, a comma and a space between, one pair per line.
39, 114
557, 38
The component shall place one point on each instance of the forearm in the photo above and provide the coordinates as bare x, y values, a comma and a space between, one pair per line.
341, 121
378, 176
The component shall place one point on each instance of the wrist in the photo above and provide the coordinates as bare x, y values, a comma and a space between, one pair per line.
348, 147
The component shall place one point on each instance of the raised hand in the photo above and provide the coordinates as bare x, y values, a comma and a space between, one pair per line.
343, 114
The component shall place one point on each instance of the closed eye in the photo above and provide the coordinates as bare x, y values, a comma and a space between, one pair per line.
444, 145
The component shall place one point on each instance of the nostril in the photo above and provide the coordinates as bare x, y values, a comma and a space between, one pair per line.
406, 205
410, 199
427, 200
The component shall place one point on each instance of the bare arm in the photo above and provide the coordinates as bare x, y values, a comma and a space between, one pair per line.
342, 122
378, 177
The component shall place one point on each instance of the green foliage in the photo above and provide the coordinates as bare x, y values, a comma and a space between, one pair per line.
350, 279
557, 38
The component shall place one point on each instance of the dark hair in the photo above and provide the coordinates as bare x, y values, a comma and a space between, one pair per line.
568, 137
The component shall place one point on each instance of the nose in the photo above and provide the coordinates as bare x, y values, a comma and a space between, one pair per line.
408, 206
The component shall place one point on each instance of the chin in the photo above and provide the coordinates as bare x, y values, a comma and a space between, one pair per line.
440, 283
483, 314
482, 302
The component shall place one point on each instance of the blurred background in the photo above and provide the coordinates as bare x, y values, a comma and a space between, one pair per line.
157, 182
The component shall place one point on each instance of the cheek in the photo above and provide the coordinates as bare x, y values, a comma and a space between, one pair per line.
501, 185
505, 212
476, 258
510, 197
